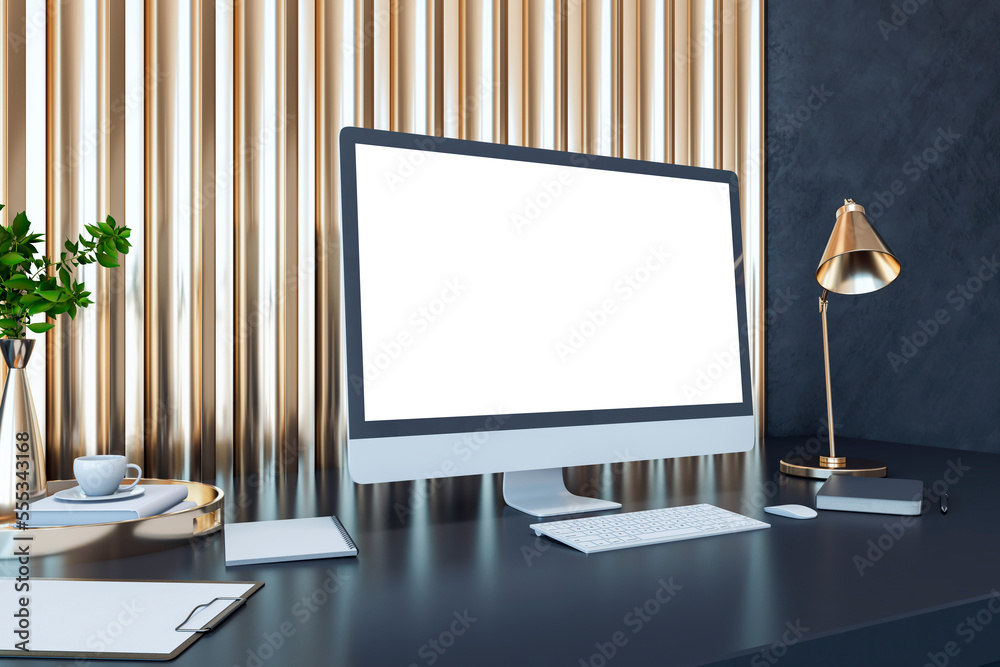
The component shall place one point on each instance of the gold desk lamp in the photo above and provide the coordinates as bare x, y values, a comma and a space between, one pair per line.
856, 261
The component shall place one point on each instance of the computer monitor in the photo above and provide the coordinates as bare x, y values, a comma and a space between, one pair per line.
518, 310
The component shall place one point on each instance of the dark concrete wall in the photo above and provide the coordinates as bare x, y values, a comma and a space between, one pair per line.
896, 105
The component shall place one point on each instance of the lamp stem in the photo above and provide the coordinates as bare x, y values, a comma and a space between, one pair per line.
826, 362
808, 466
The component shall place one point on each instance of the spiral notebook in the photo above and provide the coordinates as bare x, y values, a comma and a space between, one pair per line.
256, 542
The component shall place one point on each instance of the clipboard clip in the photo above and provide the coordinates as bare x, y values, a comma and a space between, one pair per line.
219, 619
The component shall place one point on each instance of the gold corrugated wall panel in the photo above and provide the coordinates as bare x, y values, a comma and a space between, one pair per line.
77, 386
211, 129
111, 198
331, 114
174, 257
12, 144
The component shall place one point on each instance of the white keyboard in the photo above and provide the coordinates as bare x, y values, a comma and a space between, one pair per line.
636, 529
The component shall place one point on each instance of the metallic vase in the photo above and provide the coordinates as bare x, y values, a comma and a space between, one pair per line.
22, 453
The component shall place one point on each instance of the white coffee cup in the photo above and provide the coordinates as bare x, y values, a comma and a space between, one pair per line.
102, 475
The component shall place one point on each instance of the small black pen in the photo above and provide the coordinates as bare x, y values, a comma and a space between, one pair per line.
944, 503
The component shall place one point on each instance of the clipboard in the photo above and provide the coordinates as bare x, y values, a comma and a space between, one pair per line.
117, 619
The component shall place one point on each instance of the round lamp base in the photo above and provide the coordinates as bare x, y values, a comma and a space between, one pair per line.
810, 466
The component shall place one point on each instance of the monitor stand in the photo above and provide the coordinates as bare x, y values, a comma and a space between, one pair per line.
543, 493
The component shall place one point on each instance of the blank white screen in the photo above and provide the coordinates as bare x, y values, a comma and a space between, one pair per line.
497, 286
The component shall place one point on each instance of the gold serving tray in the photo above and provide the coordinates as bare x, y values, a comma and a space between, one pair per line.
120, 539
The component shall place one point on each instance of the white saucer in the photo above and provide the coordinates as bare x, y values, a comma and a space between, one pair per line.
77, 495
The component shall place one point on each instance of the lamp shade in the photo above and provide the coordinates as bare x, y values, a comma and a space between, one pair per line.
856, 259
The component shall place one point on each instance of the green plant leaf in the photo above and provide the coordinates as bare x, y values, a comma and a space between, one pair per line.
106, 260
122, 246
19, 283
94, 231
53, 295
106, 228
40, 307
11, 258
126, 232
41, 327
21, 224
58, 309
7, 323
64, 277
72, 311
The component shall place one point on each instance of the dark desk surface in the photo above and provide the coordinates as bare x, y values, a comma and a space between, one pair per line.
447, 575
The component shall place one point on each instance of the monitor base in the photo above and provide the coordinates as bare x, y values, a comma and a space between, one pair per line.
543, 493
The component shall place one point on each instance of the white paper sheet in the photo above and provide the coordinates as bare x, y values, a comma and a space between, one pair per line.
75, 617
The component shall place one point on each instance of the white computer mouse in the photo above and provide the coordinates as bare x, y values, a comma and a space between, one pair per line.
792, 511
